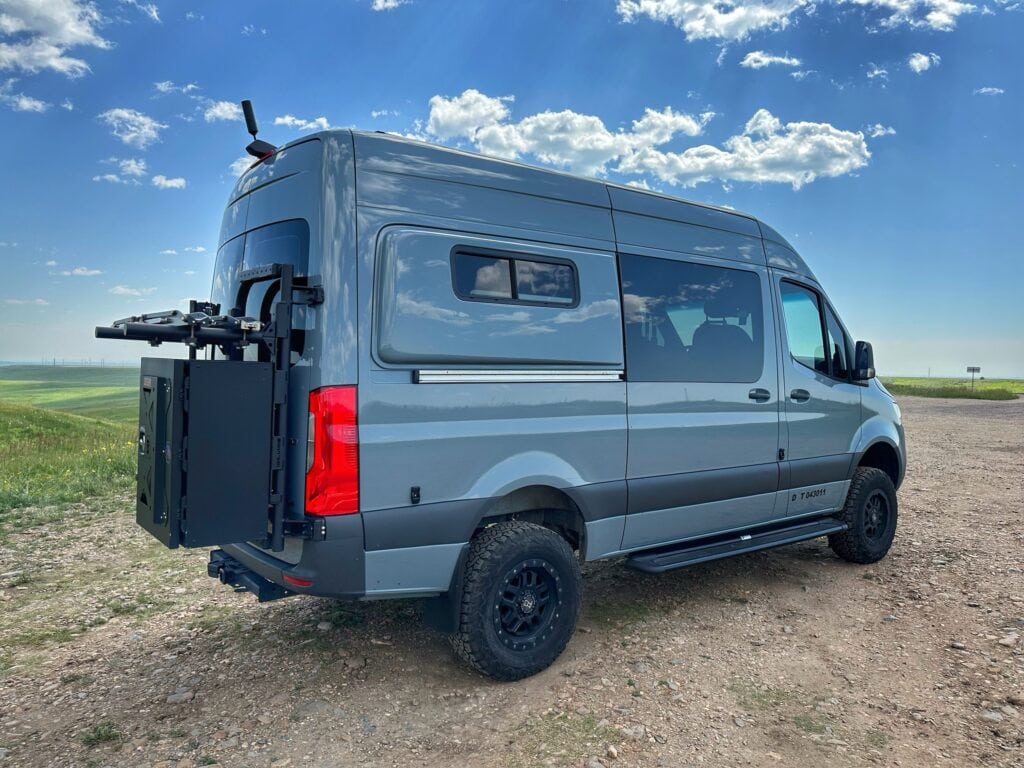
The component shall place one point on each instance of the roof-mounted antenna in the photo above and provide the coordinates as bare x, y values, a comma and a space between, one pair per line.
258, 148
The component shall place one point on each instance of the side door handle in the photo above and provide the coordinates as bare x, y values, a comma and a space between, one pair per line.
800, 395
760, 395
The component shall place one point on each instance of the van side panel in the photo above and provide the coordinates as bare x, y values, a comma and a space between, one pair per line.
472, 449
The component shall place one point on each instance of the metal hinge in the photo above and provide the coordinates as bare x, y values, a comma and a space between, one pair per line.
782, 453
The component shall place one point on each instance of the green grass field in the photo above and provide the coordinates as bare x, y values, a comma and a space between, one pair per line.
987, 389
66, 434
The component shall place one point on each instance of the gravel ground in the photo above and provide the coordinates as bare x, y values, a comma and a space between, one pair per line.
116, 653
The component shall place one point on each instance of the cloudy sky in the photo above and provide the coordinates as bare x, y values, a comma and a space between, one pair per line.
881, 136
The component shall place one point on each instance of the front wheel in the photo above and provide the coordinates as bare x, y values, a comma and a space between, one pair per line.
520, 600
870, 512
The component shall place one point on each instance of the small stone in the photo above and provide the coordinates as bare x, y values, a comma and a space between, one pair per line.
957, 646
323, 626
594, 763
284, 762
3, 753
1010, 640
635, 732
355, 663
612, 752
992, 716
888, 619
739, 721
1017, 699
787, 630
181, 697
185, 762
1009, 711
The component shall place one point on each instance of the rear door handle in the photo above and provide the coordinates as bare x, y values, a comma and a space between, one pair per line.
800, 395
760, 395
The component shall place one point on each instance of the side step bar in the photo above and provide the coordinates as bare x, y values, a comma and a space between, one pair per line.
690, 553
231, 572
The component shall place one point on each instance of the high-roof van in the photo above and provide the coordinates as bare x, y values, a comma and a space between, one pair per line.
424, 373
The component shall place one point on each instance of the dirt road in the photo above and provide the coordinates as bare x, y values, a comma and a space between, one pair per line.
114, 653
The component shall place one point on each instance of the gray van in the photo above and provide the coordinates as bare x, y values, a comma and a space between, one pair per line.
423, 373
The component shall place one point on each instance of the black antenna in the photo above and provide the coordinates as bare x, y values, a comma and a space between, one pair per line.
258, 149
250, 118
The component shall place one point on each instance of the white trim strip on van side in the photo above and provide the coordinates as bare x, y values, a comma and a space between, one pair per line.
471, 376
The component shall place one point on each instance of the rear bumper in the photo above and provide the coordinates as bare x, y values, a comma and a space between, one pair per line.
336, 566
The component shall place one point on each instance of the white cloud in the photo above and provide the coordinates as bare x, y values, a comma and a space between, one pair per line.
51, 263
168, 252
875, 71
193, 16
41, 33
250, 29
922, 62
132, 166
241, 165
766, 151
988, 90
195, 249
28, 302
937, 15
129, 170
5, 244
375, 113
762, 59
162, 182
124, 290
726, 20
568, 139
19, 102
81, 272
68, 105
149, 9
299, 124
386, 5
465, 114
877, 130
113, 178
802, 74
133, 127
169, 86
222, 110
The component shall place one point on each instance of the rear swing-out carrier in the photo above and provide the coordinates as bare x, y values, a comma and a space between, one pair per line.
194, 489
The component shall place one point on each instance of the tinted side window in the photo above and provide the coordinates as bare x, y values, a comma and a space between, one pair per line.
803, 326
838, 346
691, 322
482, 277
545, 281
486, 277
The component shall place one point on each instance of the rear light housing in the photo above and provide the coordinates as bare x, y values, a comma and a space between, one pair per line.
332, 452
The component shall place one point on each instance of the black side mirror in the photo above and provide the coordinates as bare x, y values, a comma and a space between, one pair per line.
864, 362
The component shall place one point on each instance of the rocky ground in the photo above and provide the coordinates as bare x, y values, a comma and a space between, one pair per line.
116, 653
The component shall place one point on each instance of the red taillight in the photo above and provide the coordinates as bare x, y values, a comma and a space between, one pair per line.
296, 581
332, 474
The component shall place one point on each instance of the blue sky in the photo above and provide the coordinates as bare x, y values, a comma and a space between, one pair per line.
882, 137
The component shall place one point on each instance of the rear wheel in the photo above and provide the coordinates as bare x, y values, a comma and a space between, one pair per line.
520, 600
870, 512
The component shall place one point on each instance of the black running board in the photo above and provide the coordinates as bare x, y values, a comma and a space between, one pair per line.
693, 552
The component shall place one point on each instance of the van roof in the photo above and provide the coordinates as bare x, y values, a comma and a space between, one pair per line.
476, 168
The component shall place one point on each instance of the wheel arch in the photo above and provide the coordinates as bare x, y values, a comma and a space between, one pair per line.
883, 455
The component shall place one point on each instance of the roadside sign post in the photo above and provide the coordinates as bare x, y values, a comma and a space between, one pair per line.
973, 369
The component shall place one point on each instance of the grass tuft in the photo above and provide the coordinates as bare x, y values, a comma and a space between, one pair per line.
101, 733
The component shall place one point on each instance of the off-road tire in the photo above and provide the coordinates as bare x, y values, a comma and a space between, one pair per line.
870, 512
502, 560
